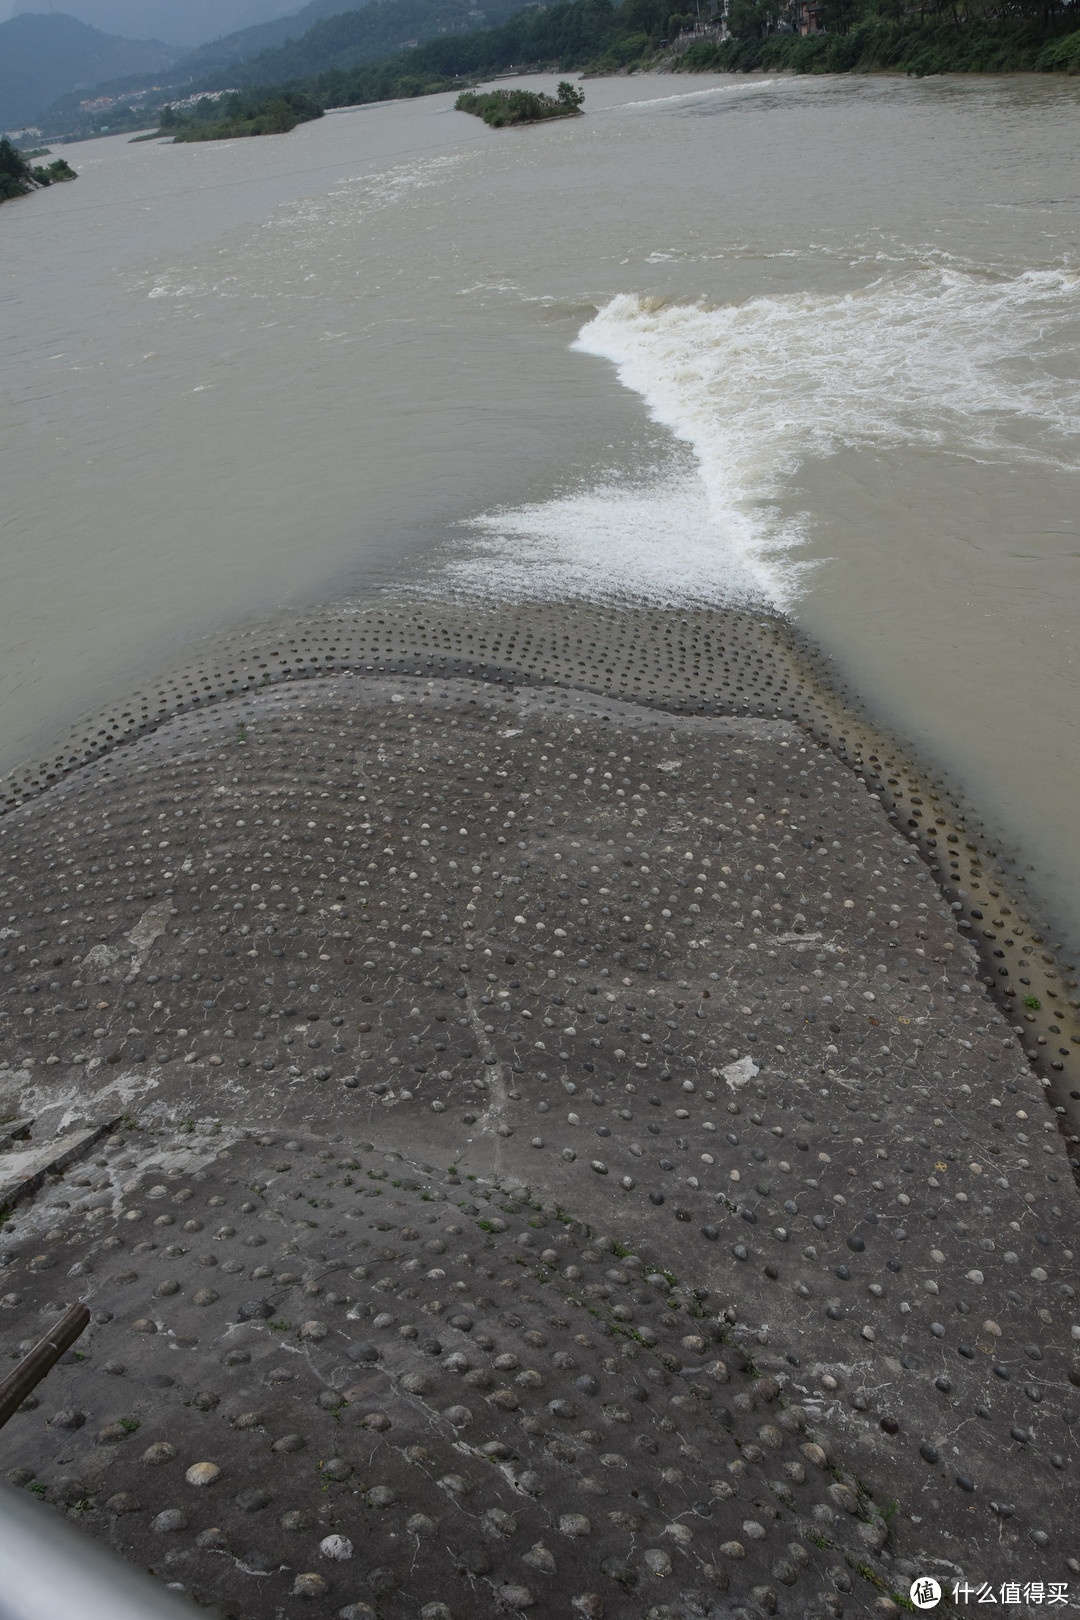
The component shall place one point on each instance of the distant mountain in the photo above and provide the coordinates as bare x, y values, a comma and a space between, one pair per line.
247, 43
179, 22
379, 29
46, 56
334, 43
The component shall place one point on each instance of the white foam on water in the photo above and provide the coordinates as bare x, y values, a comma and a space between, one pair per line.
656, 541
693, 95
308, 240
974, 365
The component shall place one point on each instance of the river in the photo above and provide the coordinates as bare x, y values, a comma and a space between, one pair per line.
809, 342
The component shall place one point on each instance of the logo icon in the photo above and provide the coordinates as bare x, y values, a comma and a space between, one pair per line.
925, 1592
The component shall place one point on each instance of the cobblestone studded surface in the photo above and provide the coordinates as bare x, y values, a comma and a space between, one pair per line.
570, 1162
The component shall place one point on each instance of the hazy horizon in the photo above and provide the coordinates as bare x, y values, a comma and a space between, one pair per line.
176, 22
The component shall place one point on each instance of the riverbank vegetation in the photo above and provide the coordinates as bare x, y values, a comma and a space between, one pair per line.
236, 116
501, 107
875, 44
595, 36
18, 178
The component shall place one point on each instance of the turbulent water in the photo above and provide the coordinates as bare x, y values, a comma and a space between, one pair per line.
813, 343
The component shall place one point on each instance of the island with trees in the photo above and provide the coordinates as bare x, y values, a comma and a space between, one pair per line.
227, 118
18, 178
500, 107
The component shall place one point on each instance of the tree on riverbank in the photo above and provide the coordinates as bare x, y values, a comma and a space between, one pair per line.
18, 179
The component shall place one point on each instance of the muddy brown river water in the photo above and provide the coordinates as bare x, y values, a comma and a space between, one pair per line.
805, 343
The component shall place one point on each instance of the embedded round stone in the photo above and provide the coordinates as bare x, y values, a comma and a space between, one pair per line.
160, 1452
515, 1597
169, 1521
203, 1473
339, 1548
574, 1524
289, 1442
362, 1352
253, 1500
121, 1502
257, 1310
68, 1418
309, 1586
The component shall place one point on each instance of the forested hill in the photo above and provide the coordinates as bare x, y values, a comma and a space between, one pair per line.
600, 37
378, 30
247, 43
577, 33
42, 56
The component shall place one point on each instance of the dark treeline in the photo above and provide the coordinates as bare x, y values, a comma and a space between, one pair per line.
873, 44
859, 38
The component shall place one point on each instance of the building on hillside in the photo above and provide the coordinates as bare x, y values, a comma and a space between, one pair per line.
808, 16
